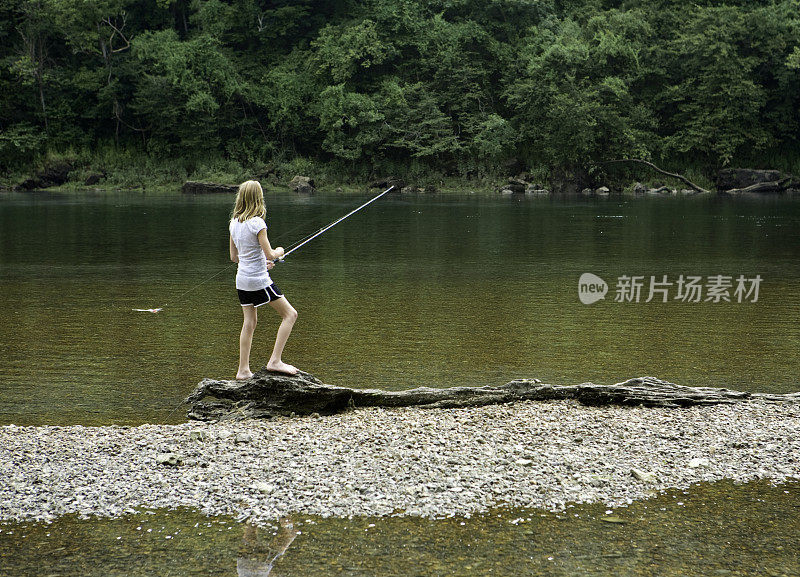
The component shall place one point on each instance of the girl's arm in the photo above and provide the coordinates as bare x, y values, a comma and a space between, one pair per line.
271, 253
234, 252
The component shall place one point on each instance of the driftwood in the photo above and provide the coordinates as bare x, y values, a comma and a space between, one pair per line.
268, 394
657, 169
777, 186
738, 178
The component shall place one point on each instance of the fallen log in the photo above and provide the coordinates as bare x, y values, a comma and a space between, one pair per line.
269, 394
738, 178
777, 186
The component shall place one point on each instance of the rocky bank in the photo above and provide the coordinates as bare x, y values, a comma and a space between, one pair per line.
397, 461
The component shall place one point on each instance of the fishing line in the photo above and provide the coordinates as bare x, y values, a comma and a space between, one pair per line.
320, 229
212, 277
292, 247
183, 402
331, 225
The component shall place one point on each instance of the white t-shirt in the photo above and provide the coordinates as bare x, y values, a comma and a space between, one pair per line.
252, 273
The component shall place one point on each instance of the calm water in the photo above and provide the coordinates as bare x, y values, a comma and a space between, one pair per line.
721, 529
420, 290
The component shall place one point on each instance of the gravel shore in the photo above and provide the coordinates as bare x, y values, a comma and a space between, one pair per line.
431, 463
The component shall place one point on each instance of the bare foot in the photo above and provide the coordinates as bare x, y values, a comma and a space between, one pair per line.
243, 376
281, 367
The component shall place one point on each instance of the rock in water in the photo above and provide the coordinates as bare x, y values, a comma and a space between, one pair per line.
302, 184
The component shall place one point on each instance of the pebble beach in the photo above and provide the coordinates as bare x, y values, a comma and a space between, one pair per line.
431, 463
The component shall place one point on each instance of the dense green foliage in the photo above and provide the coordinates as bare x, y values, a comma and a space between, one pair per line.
458, 87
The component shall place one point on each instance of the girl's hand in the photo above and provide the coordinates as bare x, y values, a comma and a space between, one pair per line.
270, 265
269, 252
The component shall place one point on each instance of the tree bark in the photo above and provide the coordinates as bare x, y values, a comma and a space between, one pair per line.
269, 394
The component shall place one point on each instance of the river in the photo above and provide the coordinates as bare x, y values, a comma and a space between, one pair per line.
434, 290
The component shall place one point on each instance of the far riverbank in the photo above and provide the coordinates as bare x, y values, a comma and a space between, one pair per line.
116, 171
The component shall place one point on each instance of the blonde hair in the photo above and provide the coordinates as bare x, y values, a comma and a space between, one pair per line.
249, 201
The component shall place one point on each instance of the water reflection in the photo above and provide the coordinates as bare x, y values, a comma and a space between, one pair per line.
257, 558
710, 529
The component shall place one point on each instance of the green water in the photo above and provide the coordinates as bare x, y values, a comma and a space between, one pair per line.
721, 529
418, 290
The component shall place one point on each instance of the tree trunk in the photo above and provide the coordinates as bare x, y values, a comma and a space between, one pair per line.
762, 187
269, 394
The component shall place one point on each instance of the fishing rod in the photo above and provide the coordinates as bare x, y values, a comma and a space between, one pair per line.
293, 247
331, 225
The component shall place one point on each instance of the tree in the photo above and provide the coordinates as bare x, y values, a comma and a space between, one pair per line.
34, 27
350, 122
98, 30
712, 103
182, 90
573, 103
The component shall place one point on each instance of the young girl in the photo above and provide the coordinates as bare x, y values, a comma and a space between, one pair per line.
250, 248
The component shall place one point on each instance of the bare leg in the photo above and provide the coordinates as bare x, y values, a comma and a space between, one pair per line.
246, 341
288, 316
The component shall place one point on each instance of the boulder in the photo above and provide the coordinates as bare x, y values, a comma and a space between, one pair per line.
602, 191
302, 184
192, 187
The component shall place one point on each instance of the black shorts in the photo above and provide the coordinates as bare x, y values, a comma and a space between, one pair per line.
259, 297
